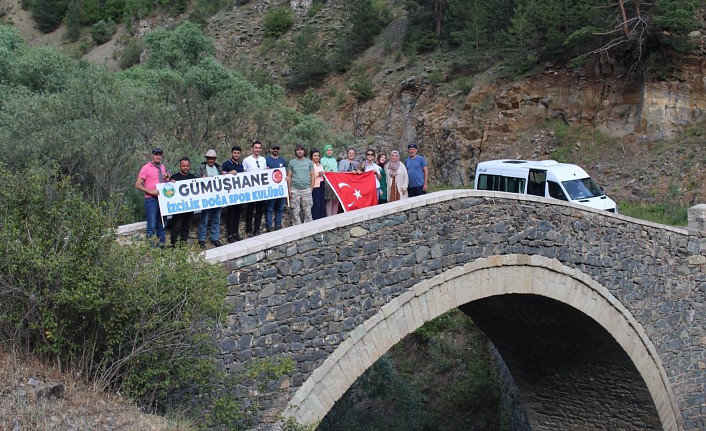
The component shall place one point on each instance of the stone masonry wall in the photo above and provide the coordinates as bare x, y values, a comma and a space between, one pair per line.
299, 292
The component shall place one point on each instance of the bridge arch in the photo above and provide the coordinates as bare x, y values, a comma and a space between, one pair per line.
499, 275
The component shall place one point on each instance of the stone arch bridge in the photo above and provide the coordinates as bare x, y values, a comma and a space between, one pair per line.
598, 318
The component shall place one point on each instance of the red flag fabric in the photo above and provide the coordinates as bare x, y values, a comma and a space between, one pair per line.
354, 191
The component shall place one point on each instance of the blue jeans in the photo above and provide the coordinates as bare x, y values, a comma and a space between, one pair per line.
212, 217
153, 216
276, 205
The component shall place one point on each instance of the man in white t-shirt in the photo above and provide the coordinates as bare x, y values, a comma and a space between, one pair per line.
254, 162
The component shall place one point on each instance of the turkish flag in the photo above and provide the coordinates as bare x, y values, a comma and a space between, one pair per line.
354, 191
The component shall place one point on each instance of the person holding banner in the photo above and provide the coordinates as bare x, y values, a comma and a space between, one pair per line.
233, 166
210, 217
369, 165
151, 174
181, 223
254, 162
300, 179
350, 164
276, 205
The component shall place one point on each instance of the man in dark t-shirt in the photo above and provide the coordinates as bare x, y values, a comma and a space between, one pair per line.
275, 206
233, 166
181, 223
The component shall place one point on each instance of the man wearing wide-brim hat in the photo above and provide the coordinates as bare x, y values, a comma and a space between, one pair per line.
210, 218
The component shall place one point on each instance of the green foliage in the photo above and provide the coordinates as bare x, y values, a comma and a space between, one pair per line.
123, 316
657, 213
278, 21
184, 46
365, 405
310, 102
362, 87
73, 21
48, 14
363, 20
308, 60
103, 31
203, 10
315, 8
130, 55
42, 70
442, 378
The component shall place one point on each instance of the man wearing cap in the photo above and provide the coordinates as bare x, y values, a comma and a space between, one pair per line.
300, 179
418, 172
210, 217
276, 205
151, 174
254, 162
233, 166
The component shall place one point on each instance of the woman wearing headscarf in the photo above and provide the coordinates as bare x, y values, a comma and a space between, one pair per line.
382, 160
397, 178
318, 209
329, 163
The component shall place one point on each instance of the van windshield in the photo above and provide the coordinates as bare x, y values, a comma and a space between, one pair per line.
584, 188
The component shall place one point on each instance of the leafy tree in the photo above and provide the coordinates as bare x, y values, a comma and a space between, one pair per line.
48, 14
73, 21
307, 60
184, 46
103, 31
362, 21
90, 12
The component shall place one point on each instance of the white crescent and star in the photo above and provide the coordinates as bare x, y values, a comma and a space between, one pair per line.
356, 193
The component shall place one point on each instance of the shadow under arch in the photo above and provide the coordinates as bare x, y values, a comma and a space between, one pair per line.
487, 277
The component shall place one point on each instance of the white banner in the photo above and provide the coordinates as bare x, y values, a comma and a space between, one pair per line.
221, 191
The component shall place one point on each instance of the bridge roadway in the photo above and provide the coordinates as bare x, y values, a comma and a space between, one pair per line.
598, 318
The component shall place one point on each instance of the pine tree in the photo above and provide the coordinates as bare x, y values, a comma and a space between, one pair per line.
73, 21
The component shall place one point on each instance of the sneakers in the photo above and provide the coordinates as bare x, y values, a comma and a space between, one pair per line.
231, 239
256, 233
202, 244
217, 243
237, 237
268, 229
278, 227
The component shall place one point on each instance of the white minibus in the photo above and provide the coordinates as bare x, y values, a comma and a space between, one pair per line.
547, 178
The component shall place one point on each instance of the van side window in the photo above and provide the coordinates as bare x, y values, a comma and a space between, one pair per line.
499, 183
555, 191
537, 181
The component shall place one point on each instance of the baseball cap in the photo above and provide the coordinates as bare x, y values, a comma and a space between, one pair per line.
275, 146
157, 150
412, 146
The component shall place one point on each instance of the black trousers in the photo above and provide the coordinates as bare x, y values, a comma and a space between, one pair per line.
258, 209
416, 191
180, 225
233, 219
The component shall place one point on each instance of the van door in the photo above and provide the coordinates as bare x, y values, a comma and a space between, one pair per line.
537, 182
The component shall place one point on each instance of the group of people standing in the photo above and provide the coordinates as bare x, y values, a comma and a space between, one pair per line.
311, 197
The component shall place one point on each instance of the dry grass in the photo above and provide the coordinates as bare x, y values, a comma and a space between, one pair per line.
78, 408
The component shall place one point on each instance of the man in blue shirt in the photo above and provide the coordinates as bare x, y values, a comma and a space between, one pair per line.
275, 205
418, 172
233, 166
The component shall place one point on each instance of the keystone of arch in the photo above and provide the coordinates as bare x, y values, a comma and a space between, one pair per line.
485, 277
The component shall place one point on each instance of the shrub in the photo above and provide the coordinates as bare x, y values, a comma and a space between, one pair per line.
362, 88
133, 317
278, 21
103, 31
310, 102
130, 55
